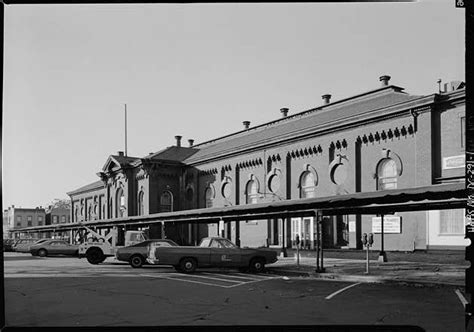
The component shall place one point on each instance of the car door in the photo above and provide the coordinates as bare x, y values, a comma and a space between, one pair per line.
52, 247
223, 255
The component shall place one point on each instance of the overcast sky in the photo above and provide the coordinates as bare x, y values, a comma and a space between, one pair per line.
196, 70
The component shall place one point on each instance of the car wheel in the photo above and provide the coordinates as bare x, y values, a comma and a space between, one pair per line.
136, 261
188, 265
42, 253
95, 256
257, 265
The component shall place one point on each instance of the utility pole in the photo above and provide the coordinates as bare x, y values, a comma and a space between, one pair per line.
125, 129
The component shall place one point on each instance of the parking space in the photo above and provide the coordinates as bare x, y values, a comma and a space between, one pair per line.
217, 279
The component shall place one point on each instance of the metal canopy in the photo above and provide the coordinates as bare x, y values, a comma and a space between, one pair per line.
444, 196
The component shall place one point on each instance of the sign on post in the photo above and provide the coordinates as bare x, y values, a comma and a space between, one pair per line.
391, 224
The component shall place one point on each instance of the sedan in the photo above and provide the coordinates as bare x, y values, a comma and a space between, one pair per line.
8, 244
54, 247
23, 245
137, 253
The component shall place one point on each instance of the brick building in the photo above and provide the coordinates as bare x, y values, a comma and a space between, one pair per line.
379, 140
17, 217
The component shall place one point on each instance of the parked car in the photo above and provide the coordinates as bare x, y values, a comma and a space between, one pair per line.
8, 244
23, 245
54, 247
136, 254
211, 252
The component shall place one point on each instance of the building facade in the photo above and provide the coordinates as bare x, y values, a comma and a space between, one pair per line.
17, 218
382, 139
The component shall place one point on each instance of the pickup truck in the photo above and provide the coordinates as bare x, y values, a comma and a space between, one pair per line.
211, 252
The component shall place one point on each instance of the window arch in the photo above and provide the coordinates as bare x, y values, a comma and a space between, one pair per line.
251, 192
120, 203
141, 207
209, 196
387, 174
166, 202
307, 185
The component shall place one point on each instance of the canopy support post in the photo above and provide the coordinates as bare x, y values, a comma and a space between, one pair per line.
382, 254
319, 242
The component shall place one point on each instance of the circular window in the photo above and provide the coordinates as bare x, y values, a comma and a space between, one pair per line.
227, 190
339, 174
274, 183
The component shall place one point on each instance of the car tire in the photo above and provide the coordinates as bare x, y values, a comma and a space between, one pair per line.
188, 265
95, 256
257, 265
42, 253
136, 261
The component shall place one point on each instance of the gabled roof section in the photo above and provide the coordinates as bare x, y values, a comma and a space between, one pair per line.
91, 186
115, 162
172, 153
292, 126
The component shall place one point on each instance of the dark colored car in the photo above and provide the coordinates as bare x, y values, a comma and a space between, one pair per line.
54, 247
136, 254
8, 244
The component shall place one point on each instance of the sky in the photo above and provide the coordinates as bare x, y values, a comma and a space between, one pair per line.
195, 70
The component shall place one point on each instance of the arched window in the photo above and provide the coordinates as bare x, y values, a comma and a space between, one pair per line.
166, 202
120, 203
387, 174
307, 185
252, 192
208, 195
141, 207
89, 213
76, 215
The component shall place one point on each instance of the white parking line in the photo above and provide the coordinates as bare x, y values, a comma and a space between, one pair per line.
234, 276
461, 297
198, 276
184, 280
258, 276
341, 290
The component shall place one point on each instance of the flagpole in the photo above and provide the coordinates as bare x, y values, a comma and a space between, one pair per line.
125, 129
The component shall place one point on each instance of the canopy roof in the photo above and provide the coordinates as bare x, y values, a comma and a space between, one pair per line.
444, 196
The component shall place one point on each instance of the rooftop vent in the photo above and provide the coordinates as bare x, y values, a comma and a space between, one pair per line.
327, 99
191, 142
384, 79
178, 140
284, 112
246, 124
453, 86
120, 153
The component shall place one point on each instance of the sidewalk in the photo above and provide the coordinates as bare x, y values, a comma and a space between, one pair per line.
354, 270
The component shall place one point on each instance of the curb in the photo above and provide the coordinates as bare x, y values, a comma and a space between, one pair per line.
363, 279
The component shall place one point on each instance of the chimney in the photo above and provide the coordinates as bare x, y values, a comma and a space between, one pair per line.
384, 79
178, 140
191, 142
246, 124
326, 99
120, 153
284, 112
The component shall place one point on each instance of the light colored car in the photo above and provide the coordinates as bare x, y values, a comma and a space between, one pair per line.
53, 248
136, 254
23, 245
212, 252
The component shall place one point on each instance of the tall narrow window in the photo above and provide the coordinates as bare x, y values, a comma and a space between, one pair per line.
307, 185
29, 219
141, 207
252, 192
208, 197
387, 174
463, 131
120, 203
166, 202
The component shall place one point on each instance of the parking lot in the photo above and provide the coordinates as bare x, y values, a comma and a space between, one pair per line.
65, 291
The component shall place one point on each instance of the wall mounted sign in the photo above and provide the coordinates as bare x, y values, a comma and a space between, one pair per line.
454, 162
391, 224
